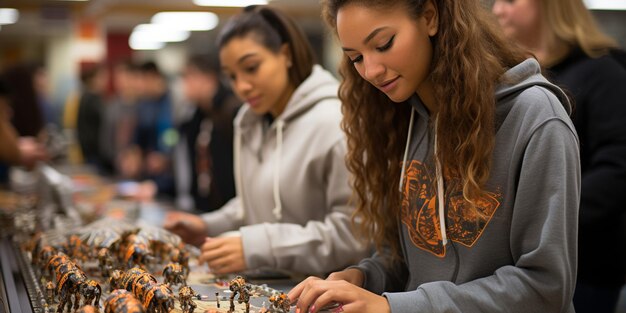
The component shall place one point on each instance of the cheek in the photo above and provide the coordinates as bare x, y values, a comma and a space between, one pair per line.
360, 70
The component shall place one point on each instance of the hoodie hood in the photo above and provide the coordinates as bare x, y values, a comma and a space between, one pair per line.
318, 86
517, 79
525, 75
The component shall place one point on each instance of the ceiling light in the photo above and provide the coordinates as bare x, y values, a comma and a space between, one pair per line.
145, 45
159, 33
229, 3
8, 16
606, 4
186, 20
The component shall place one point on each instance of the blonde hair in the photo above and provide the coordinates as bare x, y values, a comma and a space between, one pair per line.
571, 22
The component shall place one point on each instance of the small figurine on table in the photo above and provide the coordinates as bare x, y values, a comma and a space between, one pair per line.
185, 297
239, 285
50, 292
173, 275
280, 302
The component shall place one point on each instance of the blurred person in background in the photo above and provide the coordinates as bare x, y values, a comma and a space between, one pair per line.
579, 57
15, 151
28, 112
119, 118
90, 108
154, 136
204, 153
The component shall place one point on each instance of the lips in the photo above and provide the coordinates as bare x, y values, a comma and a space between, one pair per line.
254, 101
389, 84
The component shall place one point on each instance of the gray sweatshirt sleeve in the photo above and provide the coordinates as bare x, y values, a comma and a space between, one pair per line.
228, 217
317, 247
543, 240
381, 275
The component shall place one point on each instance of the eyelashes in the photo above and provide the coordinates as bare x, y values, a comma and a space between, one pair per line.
382, 48
386, 46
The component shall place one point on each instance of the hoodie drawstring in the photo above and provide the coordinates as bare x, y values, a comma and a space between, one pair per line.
406, 149
440, 190
238, 176
278, 209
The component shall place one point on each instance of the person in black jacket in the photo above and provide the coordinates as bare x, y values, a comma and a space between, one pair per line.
204, 155
90, 113
580, 58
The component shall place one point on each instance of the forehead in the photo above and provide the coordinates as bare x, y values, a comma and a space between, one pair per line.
356, 21
238, 47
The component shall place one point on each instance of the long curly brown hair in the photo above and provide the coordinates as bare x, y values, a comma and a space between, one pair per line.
470, 55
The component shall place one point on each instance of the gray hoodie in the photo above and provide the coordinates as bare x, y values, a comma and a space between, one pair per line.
292, 185
519, 254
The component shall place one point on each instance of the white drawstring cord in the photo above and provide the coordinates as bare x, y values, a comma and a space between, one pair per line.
440, 193
278, 208
238, 177
406, 149
440, 186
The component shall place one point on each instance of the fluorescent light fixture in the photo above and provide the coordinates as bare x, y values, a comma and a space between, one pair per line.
606, 4
186, 20
228, 3
159, 33
145, 45
8, 16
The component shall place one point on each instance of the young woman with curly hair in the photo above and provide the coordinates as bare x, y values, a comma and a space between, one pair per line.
484, 218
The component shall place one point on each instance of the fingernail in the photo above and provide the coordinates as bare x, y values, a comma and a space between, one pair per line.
338, 309
312, 309
297, 310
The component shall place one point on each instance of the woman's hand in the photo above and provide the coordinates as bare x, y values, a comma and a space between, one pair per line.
313, 294
223, 255
190, 227
351, 275
31, 152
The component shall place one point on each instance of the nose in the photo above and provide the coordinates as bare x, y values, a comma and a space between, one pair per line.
373, 68
242, 86
497, 8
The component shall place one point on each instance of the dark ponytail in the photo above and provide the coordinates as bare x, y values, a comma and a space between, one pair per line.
272, 28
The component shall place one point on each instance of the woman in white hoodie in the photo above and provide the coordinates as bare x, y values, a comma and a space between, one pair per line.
291, 211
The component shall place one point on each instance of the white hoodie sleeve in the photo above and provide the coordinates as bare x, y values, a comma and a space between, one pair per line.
329, 243
227, 218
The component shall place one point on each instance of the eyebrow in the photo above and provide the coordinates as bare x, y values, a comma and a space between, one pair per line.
368, 37
241, 60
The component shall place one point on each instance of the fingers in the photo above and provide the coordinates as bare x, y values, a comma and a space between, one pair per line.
210, 252
173, 220
313, 289
295, 292
326, 298
225, 265
223, 255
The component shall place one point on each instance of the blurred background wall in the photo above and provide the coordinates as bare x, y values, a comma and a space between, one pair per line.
66, 36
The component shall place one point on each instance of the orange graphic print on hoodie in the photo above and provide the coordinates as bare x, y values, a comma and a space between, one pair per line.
419, 211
